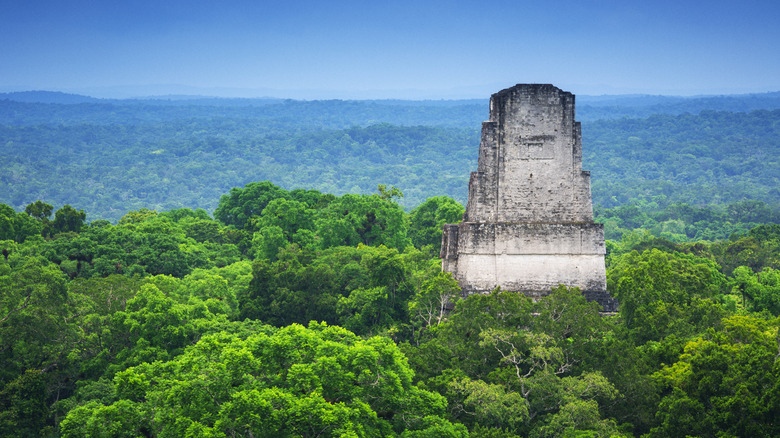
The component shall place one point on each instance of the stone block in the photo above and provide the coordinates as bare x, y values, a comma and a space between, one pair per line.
528, 224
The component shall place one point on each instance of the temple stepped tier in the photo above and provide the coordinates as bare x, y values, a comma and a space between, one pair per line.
528, 225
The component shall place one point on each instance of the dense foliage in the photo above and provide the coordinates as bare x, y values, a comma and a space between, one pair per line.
189, 163
298, 313
684, 222
704, 159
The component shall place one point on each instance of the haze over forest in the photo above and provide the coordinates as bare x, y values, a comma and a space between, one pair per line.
108, 156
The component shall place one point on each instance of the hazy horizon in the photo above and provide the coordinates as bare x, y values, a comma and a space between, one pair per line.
395, 50
178, 92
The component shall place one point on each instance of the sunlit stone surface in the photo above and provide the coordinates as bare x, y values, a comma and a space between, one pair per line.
528, 225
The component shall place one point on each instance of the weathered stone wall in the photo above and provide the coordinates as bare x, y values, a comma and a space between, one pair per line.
533, 274
528, 224
530, 160
530, 238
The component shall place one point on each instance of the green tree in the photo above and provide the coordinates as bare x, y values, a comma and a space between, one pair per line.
724, 383
211, 287
389, 194
138, 216
427, 220
289, 215
296, 381
507, 364
26, 227
759, 291
7, 219
268, 241
367, 288
436, 296
68, 219
242, 204
658, 291
23, 407
370, 220
33, 333
758, 249
491, 405
123, 419
39, 210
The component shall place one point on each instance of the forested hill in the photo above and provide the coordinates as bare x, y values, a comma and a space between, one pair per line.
107, 157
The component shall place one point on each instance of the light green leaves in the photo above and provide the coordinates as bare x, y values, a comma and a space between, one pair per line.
490, 404
316, 381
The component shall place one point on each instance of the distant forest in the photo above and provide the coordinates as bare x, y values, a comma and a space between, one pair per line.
108, 156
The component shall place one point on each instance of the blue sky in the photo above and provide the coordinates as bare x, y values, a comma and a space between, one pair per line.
388, 49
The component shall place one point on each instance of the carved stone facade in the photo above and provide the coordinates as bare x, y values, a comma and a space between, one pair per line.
528, 225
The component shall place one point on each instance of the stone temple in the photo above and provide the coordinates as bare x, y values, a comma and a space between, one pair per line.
528, 225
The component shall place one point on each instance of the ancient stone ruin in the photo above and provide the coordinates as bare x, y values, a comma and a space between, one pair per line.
528, 225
